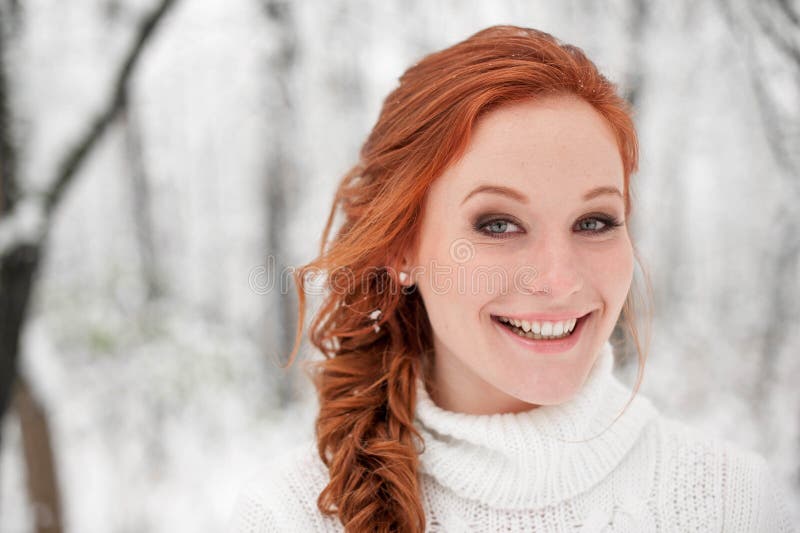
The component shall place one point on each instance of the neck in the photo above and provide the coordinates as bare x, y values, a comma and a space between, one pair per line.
483, 398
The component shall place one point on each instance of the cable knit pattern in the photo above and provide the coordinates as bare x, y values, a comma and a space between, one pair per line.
519, 460
522, 472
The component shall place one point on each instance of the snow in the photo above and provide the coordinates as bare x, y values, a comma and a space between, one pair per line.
160, 406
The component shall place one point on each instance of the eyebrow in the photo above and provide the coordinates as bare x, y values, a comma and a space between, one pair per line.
518, 196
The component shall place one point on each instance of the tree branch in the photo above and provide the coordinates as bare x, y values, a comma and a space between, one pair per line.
8, 189
77, 156
778, 36
790, 11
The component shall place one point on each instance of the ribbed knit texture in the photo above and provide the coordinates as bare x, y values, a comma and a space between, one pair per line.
524, 472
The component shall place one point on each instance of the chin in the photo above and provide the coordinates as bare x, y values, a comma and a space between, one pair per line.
551, 394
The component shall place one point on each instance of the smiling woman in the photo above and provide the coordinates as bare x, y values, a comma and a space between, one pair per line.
452, 405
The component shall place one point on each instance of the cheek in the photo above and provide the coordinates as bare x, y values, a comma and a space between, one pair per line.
454, 292
612, 270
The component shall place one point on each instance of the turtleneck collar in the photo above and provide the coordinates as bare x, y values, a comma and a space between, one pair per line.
521, 460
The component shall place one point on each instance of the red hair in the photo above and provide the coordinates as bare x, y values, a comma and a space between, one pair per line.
366, 381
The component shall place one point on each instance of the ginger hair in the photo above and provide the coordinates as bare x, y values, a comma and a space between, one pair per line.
365, 382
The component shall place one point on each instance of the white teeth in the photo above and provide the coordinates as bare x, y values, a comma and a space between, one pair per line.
544, 328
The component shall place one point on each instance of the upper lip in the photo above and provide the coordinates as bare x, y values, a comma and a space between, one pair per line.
549, 317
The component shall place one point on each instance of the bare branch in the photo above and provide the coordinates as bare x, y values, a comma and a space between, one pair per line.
634, 78
8, 189
778, 36
77, 156
790, 11
780, 142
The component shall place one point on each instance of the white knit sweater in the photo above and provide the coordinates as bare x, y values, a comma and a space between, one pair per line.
517, 472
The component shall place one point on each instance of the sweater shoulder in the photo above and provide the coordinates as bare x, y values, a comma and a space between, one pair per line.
281, 494
713, 482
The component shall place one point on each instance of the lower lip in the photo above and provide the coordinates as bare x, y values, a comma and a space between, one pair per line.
548, 346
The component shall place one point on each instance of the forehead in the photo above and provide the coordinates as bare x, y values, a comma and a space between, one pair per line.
548, 142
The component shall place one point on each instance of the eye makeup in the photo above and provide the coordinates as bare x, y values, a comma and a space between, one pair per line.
495, 225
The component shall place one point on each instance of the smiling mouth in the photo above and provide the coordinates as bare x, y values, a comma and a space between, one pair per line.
541, 330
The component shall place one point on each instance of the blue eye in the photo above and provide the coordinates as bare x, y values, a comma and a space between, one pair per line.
609, 223
497, 228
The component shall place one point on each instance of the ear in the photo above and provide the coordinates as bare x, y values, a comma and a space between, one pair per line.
402, 269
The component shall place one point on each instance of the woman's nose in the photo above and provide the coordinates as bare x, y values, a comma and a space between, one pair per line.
550, 267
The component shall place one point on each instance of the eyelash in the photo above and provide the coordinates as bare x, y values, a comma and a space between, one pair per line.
609, 223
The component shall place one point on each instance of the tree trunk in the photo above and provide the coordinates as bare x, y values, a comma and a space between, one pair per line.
142, 204
281, 173
42, 479
17, 270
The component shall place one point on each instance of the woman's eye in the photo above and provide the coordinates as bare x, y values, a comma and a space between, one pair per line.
498, 228
605, 224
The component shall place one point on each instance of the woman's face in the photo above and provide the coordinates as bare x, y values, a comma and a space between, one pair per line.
522, 227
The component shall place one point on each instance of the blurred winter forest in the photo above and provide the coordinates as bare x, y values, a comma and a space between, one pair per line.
154, 154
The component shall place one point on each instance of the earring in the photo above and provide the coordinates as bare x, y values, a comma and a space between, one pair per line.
403, 277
